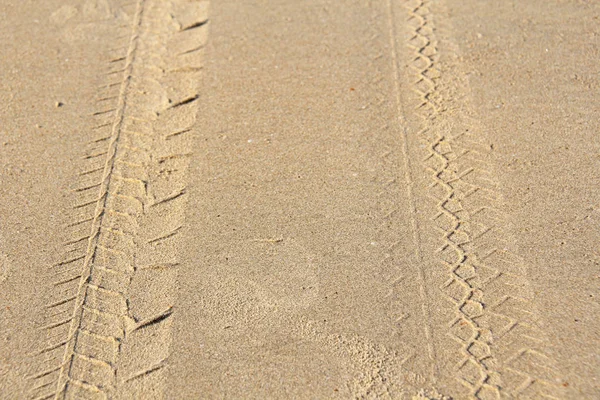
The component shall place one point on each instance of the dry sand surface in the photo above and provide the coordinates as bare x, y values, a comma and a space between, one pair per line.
333, 199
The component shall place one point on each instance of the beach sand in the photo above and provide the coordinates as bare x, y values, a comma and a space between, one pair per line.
373, 199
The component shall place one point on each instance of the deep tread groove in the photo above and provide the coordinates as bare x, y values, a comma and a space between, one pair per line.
106, 319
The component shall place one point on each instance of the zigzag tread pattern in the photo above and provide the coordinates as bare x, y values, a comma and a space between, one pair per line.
108, 326
495, 326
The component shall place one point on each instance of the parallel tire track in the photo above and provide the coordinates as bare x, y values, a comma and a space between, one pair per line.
500, 346
109, 324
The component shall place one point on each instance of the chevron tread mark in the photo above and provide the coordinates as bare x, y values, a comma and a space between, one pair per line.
499, 344
107, 330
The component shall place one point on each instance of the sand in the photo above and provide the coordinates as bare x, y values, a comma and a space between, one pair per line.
378, 199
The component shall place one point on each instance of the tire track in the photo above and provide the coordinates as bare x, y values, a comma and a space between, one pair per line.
406, 300
500, 345
109, 325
